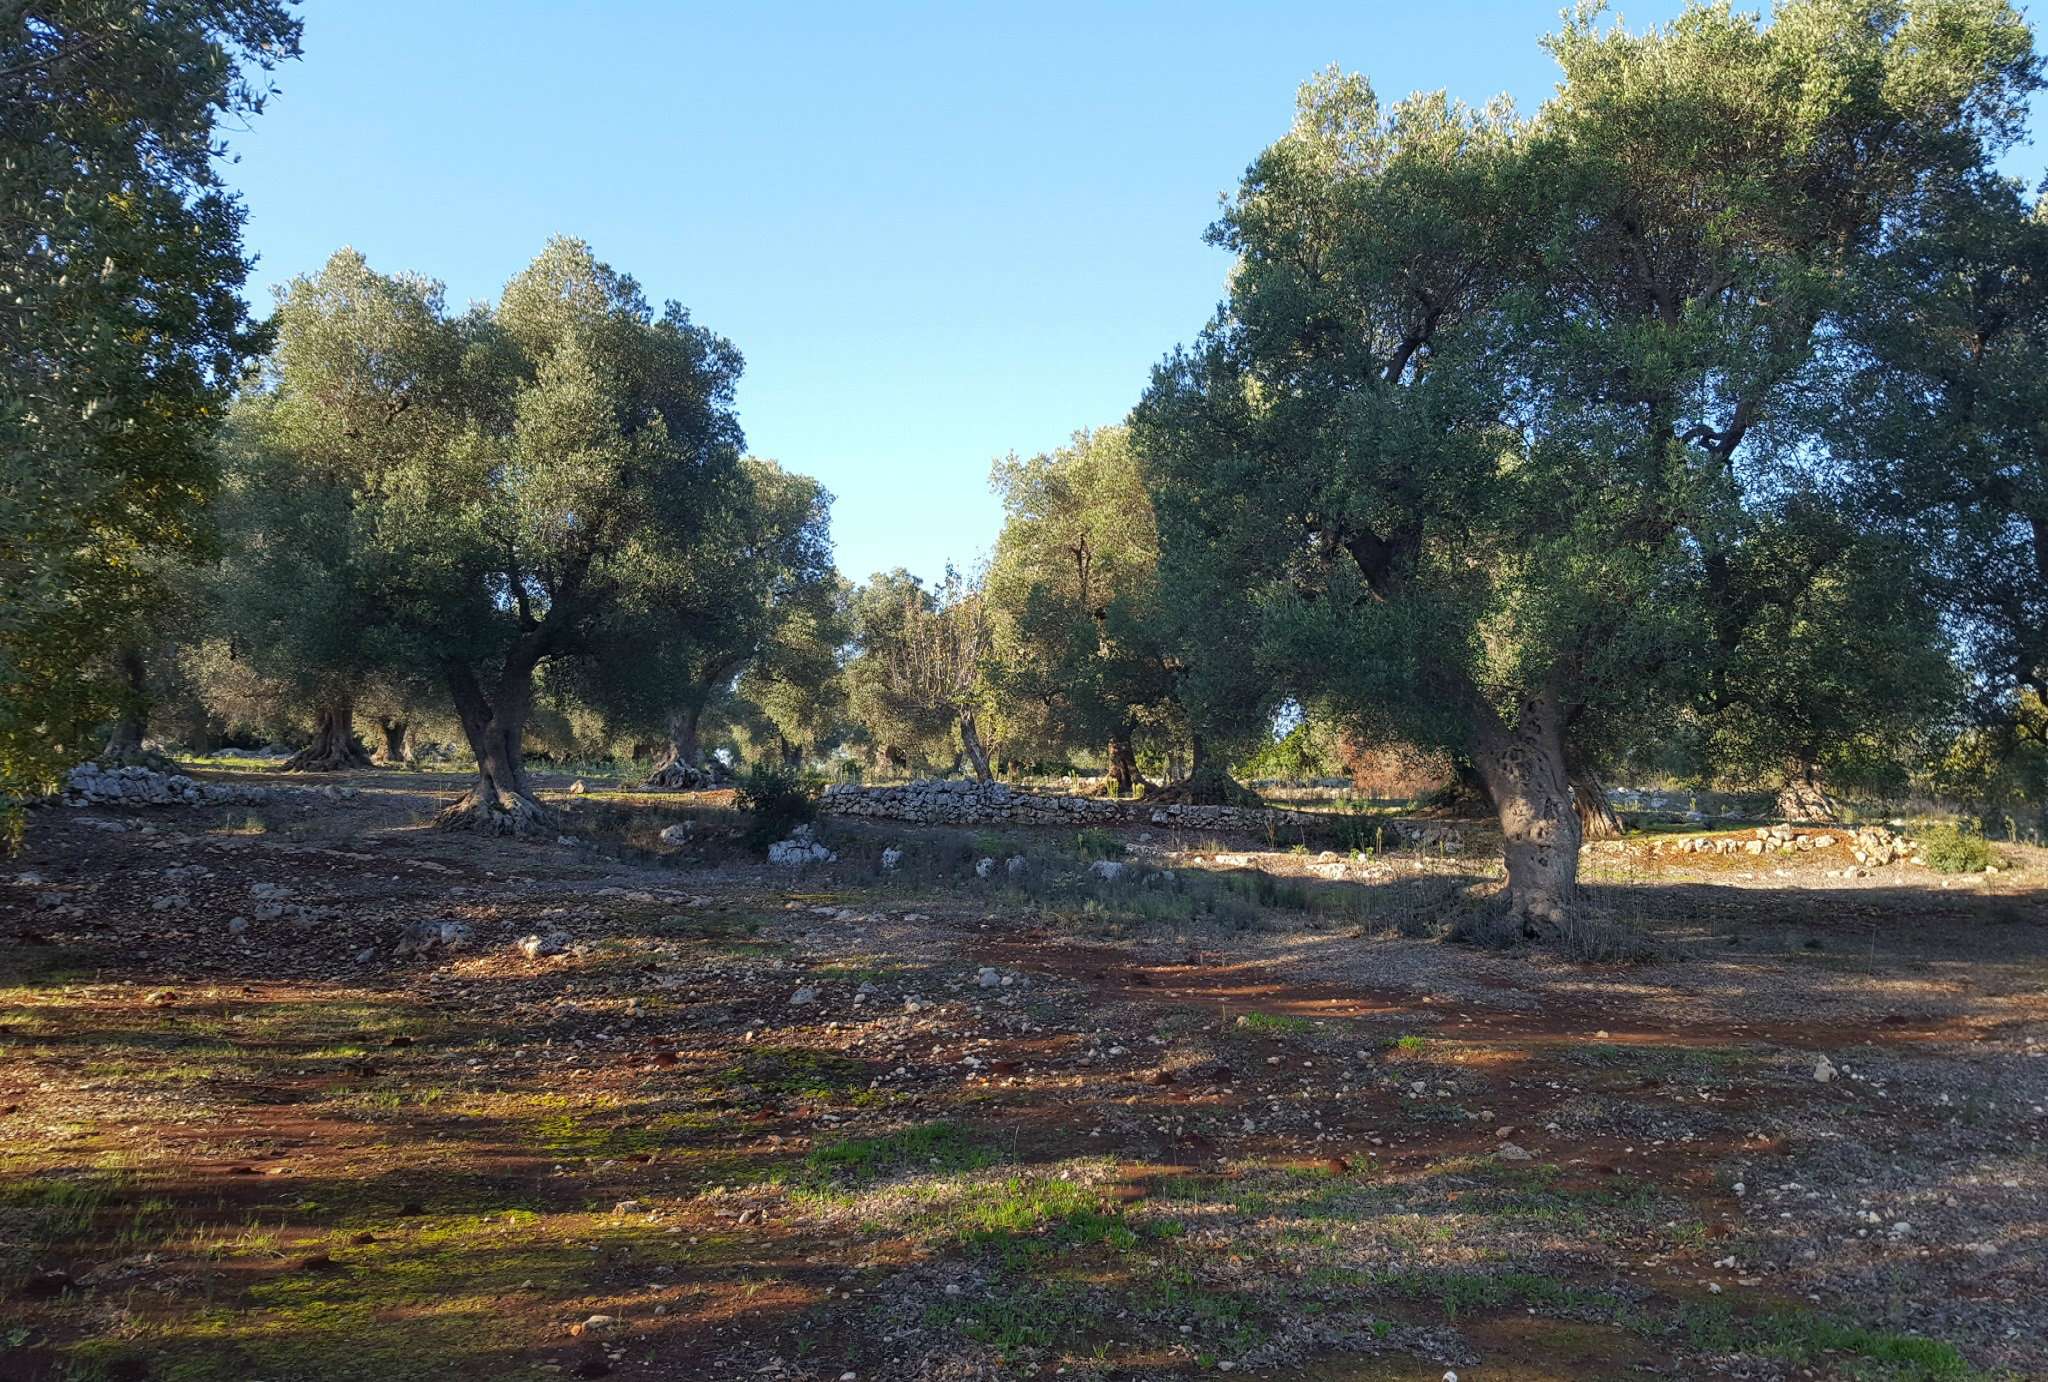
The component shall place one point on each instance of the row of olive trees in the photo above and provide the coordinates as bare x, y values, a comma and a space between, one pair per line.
1703, 403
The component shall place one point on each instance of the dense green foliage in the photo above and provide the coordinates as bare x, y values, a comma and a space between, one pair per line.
1691, 422
758, 582
121, 330
917, 679
1076, 650
1497, 408
776, 800
1953, 849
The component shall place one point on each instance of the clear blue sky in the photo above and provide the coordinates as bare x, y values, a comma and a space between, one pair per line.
938, 233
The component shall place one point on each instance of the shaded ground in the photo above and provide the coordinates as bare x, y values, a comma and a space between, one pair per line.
1212, 1114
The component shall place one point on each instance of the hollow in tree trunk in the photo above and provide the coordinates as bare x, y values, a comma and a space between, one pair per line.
970, 740
335, 748
502, 801
1524, 768
397, 742
678, 770
1598, 819
1804, 797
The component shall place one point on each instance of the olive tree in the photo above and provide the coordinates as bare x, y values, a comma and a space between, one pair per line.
916, 678
365, 379
1076, 653
692, 618
596, 460
122, 332
1944, 410
1493, 401
472, 499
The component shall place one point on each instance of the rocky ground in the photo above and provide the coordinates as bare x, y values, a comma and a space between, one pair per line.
292, 1086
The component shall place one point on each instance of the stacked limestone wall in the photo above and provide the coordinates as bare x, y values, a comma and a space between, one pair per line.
938, 802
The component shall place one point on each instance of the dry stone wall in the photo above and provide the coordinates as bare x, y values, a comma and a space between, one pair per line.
90, 784
937, 802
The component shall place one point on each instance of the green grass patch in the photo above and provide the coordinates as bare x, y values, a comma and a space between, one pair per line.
860, 1162
1275, 1024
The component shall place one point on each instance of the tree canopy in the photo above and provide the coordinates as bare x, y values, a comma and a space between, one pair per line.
122, 329
1494, 403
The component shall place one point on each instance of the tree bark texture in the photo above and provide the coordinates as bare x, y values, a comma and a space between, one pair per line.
1805, 797
502, 801
124, 740
977, 753
1524, 767
334, 748
397, 748
678, 769
1598, 819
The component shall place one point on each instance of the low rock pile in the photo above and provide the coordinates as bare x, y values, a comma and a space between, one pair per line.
799, 849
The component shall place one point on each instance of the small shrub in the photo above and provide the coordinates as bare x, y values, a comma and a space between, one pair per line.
1094, 842
1951, 849
776, 800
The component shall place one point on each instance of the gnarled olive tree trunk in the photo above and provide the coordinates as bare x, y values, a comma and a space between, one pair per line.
1598, 820
1122, 776
502, 801
1208, 782
1804, 796
679, 767
124, 740
397, 742
334, 748
1524, 767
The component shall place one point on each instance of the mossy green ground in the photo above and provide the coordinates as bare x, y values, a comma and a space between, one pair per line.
447, 1169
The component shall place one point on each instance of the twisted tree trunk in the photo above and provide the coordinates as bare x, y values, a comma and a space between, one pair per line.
1122, 776
678, 769
397, 743
1804, 797
1524, 768
335, 748
124, 741
502, 801
1598, 819
1208, 782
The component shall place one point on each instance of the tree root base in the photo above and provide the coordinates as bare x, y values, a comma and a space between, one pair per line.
497, 813
678, 776
328, 758
1209, 789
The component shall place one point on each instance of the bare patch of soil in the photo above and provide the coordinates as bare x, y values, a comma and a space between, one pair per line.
283, 1094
